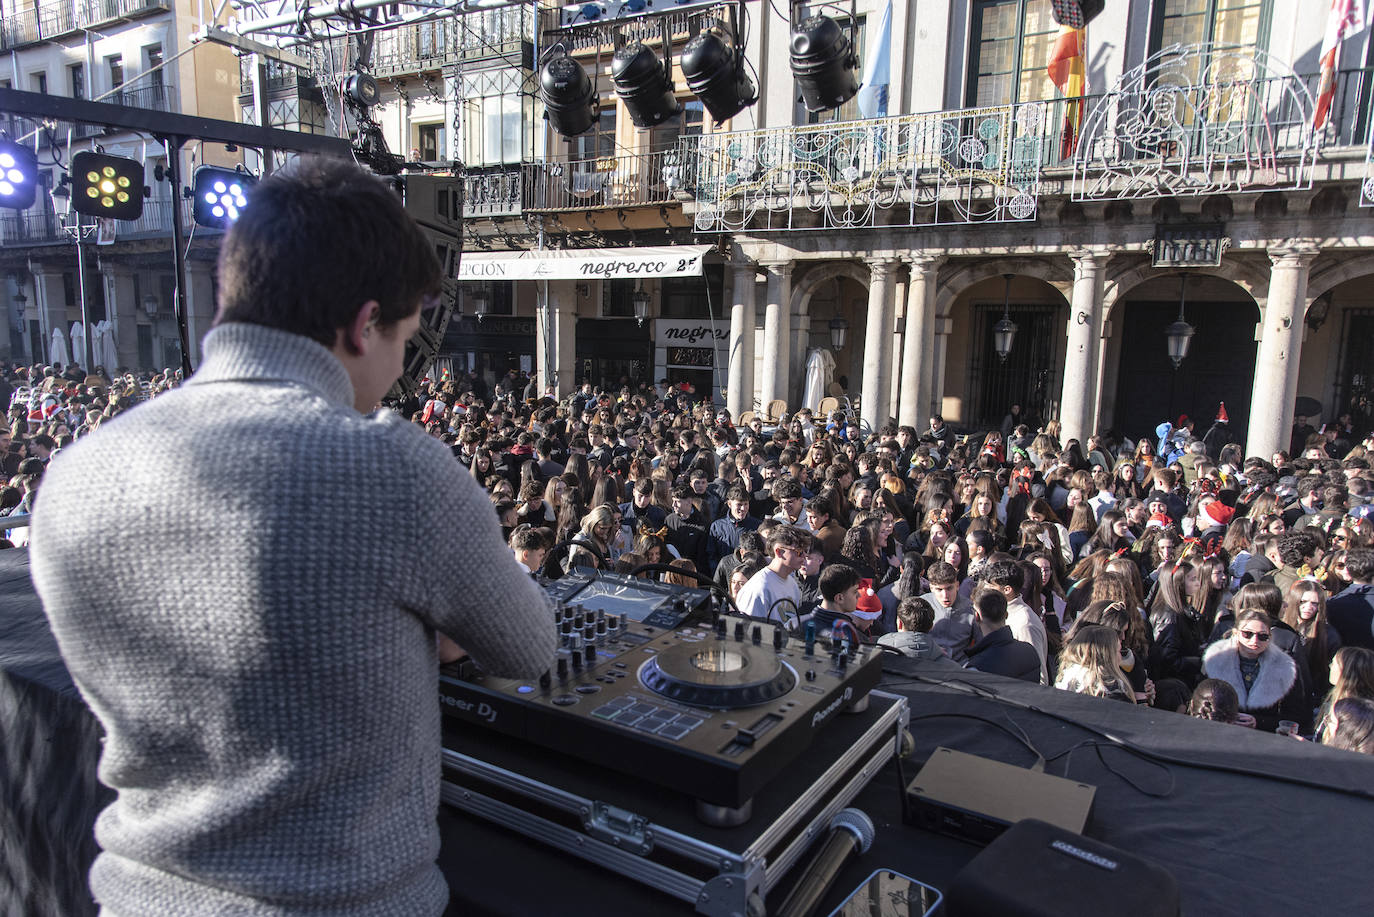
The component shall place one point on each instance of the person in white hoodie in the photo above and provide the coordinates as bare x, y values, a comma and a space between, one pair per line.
1009, 579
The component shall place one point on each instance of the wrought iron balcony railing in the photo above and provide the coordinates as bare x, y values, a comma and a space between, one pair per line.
468, 37
156, 96
634, 180
53, 19
680, 25
29, 227
1190, 121
493, 192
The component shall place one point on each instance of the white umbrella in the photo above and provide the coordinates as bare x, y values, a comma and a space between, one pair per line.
820, 366
79, 345
58, 353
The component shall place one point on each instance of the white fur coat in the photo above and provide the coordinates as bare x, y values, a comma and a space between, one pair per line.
1276, 675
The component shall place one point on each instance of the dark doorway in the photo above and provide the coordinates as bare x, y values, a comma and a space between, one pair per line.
1028, 377
1354, 383
1220, 366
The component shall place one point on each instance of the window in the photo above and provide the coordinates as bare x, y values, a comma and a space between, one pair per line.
152, 56
115, 65
1221, 22
433, 142
1012, 40
39, 82
689, 124
849, 111
78, 80
600, 140
495, 113
617, 298
694, 297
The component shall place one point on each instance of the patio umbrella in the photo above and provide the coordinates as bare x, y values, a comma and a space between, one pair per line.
79, 344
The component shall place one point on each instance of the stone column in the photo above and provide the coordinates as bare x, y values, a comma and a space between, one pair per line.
918, 347
899, 318
122, 310
1280, 348
49, 306
563, 299
777, 338
200, 304
743, 317
877, 378
1077, 398
944, 326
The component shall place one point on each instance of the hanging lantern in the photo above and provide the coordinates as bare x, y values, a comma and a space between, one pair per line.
1004, 332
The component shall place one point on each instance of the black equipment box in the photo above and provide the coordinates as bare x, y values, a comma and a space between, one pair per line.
636, 828
1035, 869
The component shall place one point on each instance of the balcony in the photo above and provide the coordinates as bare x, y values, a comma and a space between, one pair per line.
681, 26
493, 192
155, 96
51, 20
608, 182
501, 34
1233, 123
29, 227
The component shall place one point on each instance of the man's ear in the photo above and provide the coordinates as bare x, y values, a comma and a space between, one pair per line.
357, 336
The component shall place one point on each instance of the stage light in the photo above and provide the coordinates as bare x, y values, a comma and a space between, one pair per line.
714, 69
1075, 13
18, 176
107, 186
643, 84
824, 63
568, 96
219, 195
363, 89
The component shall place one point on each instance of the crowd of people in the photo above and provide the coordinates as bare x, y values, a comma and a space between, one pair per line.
1170, 571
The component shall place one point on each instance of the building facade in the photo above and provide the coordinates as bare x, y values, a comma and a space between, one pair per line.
133, 53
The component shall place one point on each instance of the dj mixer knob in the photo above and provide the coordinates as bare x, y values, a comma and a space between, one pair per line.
756, 635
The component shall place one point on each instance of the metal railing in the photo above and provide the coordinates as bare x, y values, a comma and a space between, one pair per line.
155, 96
50, 20
155, 220
680, 26
29, 227
493, 192
634, 180
468, 37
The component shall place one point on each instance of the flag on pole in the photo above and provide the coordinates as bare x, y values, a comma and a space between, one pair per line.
1068, 72
877, 70
1346, 19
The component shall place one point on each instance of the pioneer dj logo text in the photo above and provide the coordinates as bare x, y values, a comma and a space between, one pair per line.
822, 715
482, 711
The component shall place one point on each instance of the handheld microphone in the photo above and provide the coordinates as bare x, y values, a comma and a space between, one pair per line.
851, 833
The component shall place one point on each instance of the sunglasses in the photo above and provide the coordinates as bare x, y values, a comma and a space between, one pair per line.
1248, 635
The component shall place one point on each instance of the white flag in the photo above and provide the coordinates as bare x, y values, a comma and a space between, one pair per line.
873, 95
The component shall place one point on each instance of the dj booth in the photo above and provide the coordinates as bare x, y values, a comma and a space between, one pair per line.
1244, 822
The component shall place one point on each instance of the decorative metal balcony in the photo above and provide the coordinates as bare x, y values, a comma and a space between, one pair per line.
1195, 120
970, 166
29, 227
50, 20
493, 192
505, 34
680, 26
608, 182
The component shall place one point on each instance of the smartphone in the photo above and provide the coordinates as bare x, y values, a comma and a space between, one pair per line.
890, 894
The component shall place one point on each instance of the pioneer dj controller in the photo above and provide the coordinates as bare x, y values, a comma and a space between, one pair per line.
712, 711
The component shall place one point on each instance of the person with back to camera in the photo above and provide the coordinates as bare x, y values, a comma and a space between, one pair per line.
912, 638
1215, 700
1091, 664
994, 649
266, 671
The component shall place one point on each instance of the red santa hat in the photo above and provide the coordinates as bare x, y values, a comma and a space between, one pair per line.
1216, 513
1221, 414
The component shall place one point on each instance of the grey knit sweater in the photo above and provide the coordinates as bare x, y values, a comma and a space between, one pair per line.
244, 576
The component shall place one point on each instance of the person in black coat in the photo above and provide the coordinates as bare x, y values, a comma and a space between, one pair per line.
1264, 676
1351, 611
995, 650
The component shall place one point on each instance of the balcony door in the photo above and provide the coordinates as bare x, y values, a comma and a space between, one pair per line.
1010, 46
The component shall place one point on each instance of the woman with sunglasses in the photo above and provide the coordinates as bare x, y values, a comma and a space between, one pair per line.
1265, 678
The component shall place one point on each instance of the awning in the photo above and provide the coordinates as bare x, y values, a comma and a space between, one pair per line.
585, 264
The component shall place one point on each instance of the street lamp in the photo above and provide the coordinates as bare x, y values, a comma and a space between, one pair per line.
151, 305
641, 301
1004, 332
1179, 333
839, 328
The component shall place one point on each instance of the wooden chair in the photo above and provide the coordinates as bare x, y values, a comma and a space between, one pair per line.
745, 418
776, 408
836, 390
828, 404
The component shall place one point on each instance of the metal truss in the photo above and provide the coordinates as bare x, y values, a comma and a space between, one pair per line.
970, 166
1198, 119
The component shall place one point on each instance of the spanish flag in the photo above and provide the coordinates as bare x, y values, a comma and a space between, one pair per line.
1345, 20
1068, 72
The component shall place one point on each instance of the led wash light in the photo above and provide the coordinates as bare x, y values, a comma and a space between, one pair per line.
18, 176
219, 195
107, 186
